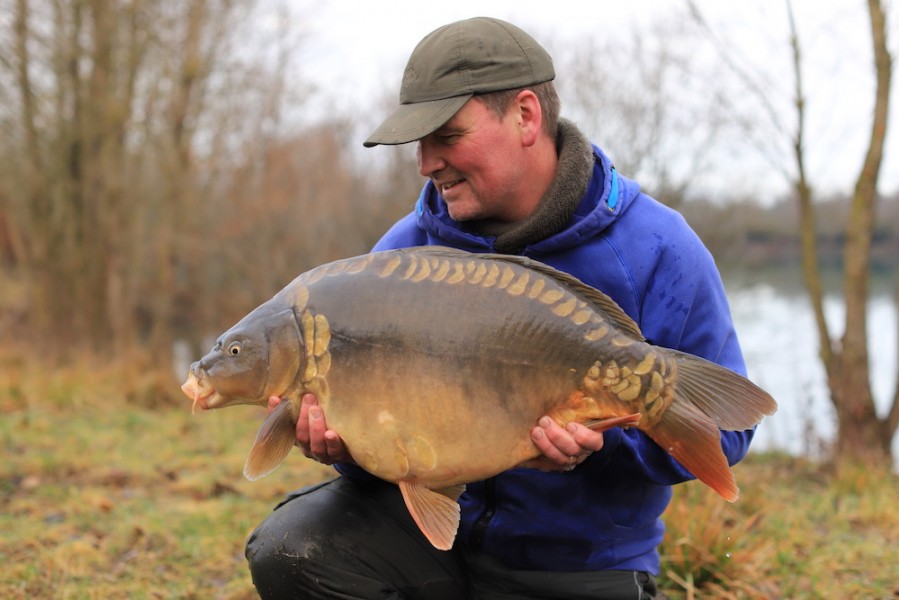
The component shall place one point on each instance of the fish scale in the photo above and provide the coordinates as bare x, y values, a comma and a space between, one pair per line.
465, 270
433, 365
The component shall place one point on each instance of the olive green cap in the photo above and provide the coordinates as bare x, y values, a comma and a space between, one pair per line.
452, 64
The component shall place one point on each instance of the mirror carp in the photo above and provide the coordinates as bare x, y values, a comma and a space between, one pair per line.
433, 365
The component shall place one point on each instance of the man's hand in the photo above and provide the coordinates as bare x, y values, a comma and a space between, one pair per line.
313, 436
563, 448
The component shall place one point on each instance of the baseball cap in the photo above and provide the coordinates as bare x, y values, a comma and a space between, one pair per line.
452, 64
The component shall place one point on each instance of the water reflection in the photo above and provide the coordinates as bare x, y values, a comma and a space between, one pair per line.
780, 342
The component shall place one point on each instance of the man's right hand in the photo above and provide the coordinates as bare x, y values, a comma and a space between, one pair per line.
313, 436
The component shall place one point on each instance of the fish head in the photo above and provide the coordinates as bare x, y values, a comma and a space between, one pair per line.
259, 357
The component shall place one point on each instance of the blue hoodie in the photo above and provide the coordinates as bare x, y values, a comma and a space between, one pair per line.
606, 513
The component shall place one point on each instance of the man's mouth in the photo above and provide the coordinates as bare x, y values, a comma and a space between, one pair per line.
448, 185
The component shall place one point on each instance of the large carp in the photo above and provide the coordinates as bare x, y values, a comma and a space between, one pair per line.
433, 365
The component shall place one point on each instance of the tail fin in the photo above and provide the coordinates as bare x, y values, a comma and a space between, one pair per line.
731, 400
274, 441
708, 397
694, 440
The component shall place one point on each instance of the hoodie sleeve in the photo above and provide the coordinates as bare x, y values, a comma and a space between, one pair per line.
682, 305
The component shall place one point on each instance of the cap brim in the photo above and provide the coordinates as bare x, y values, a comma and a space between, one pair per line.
410, 122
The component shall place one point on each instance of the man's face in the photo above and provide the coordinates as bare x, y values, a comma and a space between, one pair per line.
474, 161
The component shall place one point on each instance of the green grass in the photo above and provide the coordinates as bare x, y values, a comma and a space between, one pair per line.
104, 495
103, 499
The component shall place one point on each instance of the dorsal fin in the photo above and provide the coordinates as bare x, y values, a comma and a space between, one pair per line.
600, 301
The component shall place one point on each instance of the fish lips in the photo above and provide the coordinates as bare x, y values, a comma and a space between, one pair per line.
197, 389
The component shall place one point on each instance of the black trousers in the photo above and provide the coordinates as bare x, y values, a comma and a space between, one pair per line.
356, 540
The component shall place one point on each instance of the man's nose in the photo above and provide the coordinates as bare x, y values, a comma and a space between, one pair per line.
429, 159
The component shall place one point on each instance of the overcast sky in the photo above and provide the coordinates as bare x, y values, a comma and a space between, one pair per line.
356, 49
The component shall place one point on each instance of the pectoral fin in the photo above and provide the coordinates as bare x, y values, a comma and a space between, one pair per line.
435, 512
274, 441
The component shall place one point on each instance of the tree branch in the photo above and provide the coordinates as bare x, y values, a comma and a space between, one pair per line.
811, 270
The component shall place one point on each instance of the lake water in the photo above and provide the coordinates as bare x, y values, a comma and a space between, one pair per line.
777, 331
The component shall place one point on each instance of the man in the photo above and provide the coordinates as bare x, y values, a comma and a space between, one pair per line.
507, 175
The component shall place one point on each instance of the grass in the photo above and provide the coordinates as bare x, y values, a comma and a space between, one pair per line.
105, 495
131, 504
103, 499
799, 530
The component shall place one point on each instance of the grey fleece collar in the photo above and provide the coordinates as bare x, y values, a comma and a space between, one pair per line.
558, 203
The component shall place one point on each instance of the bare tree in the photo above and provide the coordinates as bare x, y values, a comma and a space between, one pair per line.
120, 113
861, 432
650, 102
862, 435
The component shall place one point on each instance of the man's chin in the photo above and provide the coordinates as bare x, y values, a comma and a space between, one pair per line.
463, 210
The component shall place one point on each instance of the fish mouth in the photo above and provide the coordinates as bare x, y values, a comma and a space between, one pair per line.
198, 391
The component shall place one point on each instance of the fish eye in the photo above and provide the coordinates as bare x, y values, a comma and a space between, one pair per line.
234, 348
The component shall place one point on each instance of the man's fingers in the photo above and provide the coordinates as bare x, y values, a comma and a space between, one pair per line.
317, 445
549, 450
585, 437
335, 448
303, 422
556, 443
564, 447
313, 436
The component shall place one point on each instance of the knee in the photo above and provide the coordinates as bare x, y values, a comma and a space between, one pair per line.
261, 550
262, 557
280, 562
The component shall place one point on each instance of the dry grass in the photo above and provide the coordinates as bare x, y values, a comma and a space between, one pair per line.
800, 530
103, 495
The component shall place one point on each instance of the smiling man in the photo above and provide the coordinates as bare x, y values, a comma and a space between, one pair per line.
507, 175
486, 167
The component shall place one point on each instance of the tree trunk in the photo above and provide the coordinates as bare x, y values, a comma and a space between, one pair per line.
862, 436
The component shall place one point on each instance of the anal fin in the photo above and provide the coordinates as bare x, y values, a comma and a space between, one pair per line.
435, 513
604, 424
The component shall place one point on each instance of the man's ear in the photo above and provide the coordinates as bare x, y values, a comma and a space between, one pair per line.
529, 115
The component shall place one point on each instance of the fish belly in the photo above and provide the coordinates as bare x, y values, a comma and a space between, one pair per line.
439, 421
